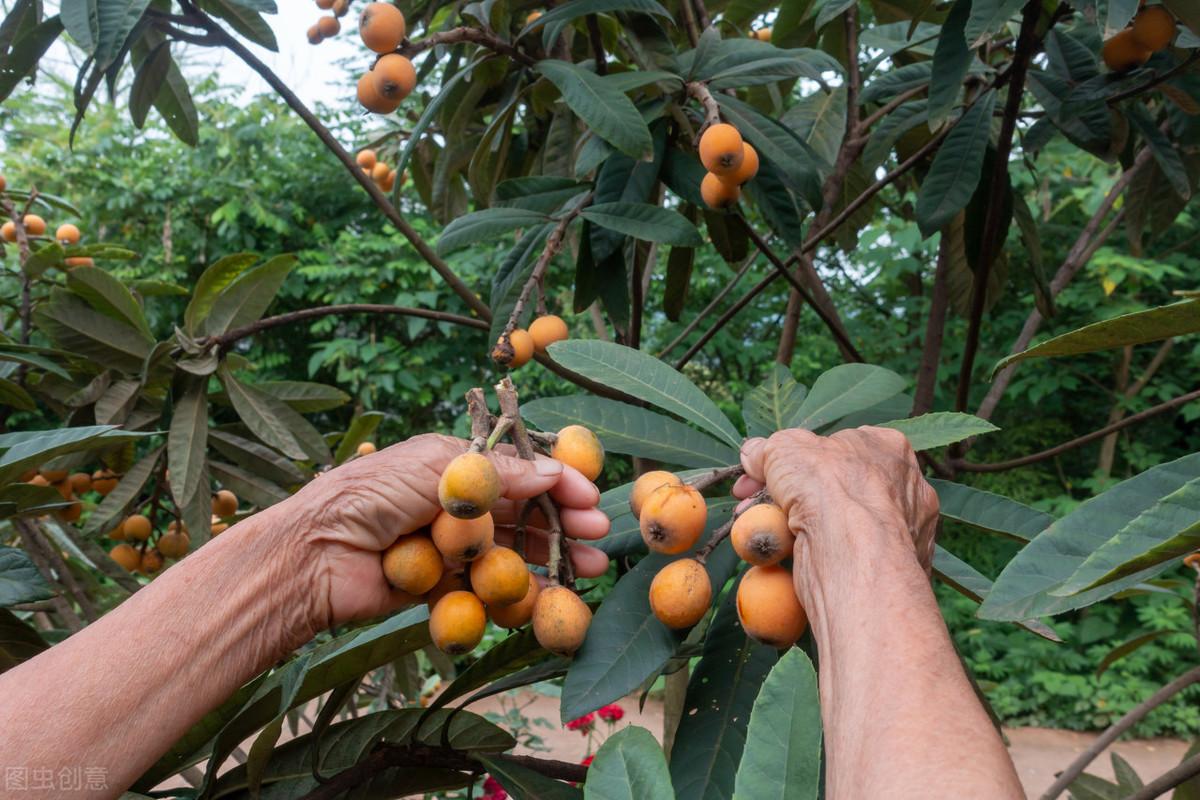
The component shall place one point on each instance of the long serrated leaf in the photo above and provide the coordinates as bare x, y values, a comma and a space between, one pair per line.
187, 440
215, 279
20, 581
644, 221
128, 489
630, 765
108, 295
24, 57
774, 404
971, 583
843, 390
360, 430
956, 168
603, 107
482, 227
273, 421
247, 297
989, 512
950, 62
940, 428
641, 375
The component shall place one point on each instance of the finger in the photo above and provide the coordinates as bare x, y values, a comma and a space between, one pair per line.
752, 458
746, 486
521, 479
585, 523
587, 561
574, 490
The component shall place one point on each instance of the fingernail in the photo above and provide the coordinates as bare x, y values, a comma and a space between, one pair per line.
547, 467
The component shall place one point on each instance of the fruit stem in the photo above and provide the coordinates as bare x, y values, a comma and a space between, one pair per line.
722, 533
712, 111
715, 476
503, 425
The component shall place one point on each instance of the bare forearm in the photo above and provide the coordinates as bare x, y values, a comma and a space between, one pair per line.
150, 669
897, 706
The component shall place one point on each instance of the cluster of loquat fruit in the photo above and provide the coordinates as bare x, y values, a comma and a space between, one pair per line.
329, 26
1152, 29
136, 551
465, 577
392, 78
730, 163
72, 486
543, 332
383, 175
35, 228
672, 514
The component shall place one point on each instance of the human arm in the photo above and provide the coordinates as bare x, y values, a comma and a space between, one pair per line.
900, 717
119, 693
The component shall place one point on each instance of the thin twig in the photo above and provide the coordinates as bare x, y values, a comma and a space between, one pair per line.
712, 111
703, 315
34, 550
597, 41
1158, 80
715, 476
935, 329
226, 339
465, 34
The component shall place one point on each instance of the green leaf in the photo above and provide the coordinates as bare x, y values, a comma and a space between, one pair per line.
1131, 646
626, 643
778, 144
12, 394
956, 168
989, 512
244, 20
256, 459
843, 390
246, 298
680, 262
128, 489
108, 295
646, 222
75, 326
483, 226
32, 448
831, 10
18, 641
630, 765
273, 421
33, 356
969, 582
951, 60
28, 50
891, 128
116, 19
148, 80
627, 429
897, 81
782, 756
173, 98
644, 376
605, 109
303, 396
252, 487
1166, 153
1165, 531
820, 120
1140, 327
17, 499
541, 193
987, 17
525, 784
720, 699
511, 276
20, 581
1024, 589
940, 428
360, 430
554, 20
187, 440
514, 653
774, 404
80, 19
212, 282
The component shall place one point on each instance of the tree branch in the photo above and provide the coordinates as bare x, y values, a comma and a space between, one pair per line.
712, 111
993, 223
935, 328
721, 295
377, 196
226, 339
1131, 718
1001, 466
465, 34
597, 41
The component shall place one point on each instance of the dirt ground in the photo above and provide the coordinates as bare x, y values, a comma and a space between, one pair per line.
1038, 752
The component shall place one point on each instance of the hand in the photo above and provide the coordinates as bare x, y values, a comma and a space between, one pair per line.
852, 498
349, 515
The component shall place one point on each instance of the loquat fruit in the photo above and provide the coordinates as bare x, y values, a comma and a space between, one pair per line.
395, 77
370, 99
218, 528
681, 593
34, 225
104, 481
365, 448
224, 503
413, 564
647, 483
718, 194
747, 170
79, 261
560, 620
314, 34
81, 482
457, 623
721, 149
521, 345
462, 539
151, 562
71, 513
546, 330
329, 26
762, 34
389, 182
8, 231
1123, 52
366, 159
520, 612
578, 447
137, 527
129, 558
673, 518
174, 544
768, 607
117, 534
379, 172
54, 475
67, 234
341, 8
532, 16
761, 536
324, 5
469, 486
381, 27
1153, 28
39, 480
452, 580
1192, 560
64, 489
499, 577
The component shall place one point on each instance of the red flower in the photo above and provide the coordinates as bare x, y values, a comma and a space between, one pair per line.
587, 762
583, 724
611, 713
492, 790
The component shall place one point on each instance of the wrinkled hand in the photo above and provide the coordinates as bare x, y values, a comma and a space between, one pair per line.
852, 498
351, 514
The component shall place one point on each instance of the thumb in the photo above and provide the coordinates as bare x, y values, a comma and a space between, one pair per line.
752, 458
521, 479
